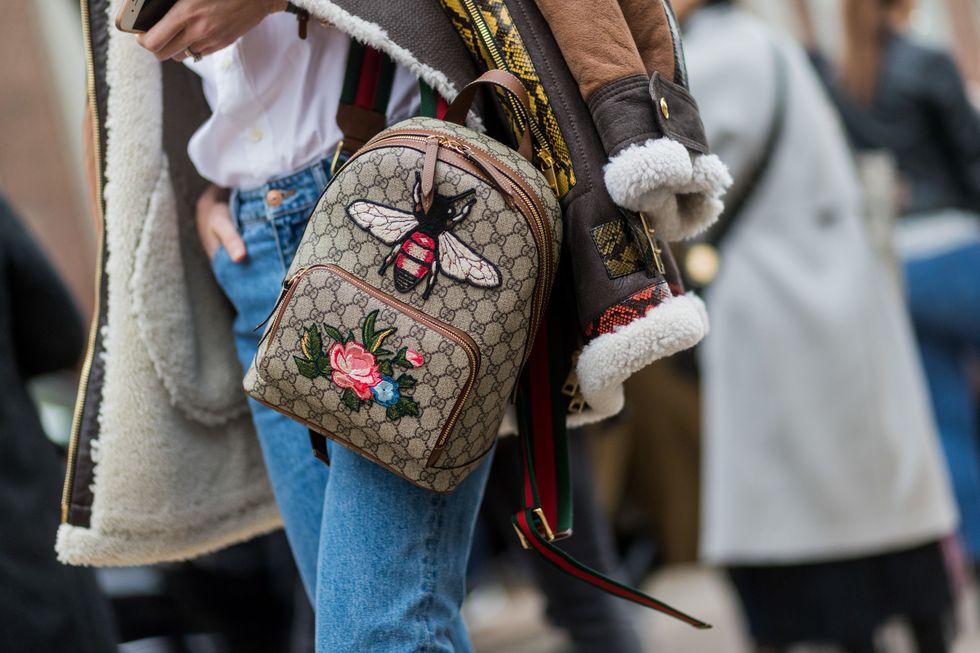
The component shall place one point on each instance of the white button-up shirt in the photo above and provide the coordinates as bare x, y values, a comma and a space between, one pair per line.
274, 100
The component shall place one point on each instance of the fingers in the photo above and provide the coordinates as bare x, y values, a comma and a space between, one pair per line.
215, 227
166, 30
188, 25
223, 228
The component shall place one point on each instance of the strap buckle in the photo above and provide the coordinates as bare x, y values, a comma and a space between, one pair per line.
549, 535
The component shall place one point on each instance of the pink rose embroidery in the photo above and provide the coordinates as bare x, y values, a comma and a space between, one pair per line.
354, 367
415, 358
366, 373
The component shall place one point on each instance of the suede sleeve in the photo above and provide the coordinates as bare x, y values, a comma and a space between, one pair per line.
647, 21
595, 39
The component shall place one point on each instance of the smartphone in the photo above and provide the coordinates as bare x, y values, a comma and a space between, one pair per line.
140, 15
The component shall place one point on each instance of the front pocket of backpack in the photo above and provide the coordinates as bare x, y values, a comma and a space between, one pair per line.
366, 369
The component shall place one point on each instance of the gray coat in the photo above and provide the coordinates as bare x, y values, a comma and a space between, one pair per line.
819, 442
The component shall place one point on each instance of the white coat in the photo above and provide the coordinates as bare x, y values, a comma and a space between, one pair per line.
819, 442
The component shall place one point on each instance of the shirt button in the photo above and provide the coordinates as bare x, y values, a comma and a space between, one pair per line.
255, 134
227, 61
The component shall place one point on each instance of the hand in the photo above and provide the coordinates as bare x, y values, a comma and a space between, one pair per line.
205, 26
215, 227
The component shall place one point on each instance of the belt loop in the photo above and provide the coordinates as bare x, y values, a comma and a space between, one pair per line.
234, 206
266, 209
321, 173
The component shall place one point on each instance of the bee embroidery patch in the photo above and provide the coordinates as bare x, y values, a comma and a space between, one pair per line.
423, 244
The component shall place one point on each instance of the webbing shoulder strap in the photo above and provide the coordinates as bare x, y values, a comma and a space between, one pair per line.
432, 104
546, 514
364, 97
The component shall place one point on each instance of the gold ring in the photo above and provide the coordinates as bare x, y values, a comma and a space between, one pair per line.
193, 55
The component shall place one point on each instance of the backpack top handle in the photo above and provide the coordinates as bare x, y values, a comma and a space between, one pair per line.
501, 79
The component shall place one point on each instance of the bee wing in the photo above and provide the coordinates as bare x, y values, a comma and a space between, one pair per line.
385, 223
458, 261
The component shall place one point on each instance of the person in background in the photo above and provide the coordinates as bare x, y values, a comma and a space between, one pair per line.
44, 606
909, 100
823, 491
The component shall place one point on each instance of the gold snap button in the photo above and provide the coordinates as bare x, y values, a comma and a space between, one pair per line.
664, 109
274, 197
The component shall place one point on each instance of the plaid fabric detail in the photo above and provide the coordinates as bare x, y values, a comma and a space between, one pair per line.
630, 309
618, 251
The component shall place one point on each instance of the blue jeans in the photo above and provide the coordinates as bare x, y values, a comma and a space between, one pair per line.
383, 562
944, 300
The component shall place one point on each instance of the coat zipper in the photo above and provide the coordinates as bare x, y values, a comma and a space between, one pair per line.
544, 153
538, 227
76, 423
459, 337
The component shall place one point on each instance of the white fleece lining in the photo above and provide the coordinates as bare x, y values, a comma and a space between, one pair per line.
607, 361
165, 487
679, 192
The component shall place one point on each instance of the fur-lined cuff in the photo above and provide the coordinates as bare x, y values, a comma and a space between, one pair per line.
606, 362
679, 191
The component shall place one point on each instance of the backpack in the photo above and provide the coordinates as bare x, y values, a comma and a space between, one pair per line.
414, 297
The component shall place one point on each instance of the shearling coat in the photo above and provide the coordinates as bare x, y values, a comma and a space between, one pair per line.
163, 461
819, 441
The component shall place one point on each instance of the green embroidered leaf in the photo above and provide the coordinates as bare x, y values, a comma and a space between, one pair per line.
311, 344
393, 413
400, 359
351, 400
334, 333
367, 329
350, 337
323, 366
306, 368
406, 382
385, 367
379, 338
383, 352
408, 406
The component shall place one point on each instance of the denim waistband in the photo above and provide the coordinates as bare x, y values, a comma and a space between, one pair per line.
302, 191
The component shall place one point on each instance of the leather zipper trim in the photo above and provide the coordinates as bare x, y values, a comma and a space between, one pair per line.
86, 371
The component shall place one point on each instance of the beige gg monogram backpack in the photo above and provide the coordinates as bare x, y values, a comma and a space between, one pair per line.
414, 297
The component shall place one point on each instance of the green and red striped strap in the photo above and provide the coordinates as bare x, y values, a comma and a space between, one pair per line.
432, 104
368, 78
546, 515
365, 96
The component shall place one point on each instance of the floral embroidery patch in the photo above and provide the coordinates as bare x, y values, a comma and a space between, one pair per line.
364, 371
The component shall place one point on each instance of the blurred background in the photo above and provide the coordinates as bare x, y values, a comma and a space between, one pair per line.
42, 95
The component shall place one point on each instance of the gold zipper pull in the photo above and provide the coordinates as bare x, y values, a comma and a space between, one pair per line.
282, 294
547, 166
